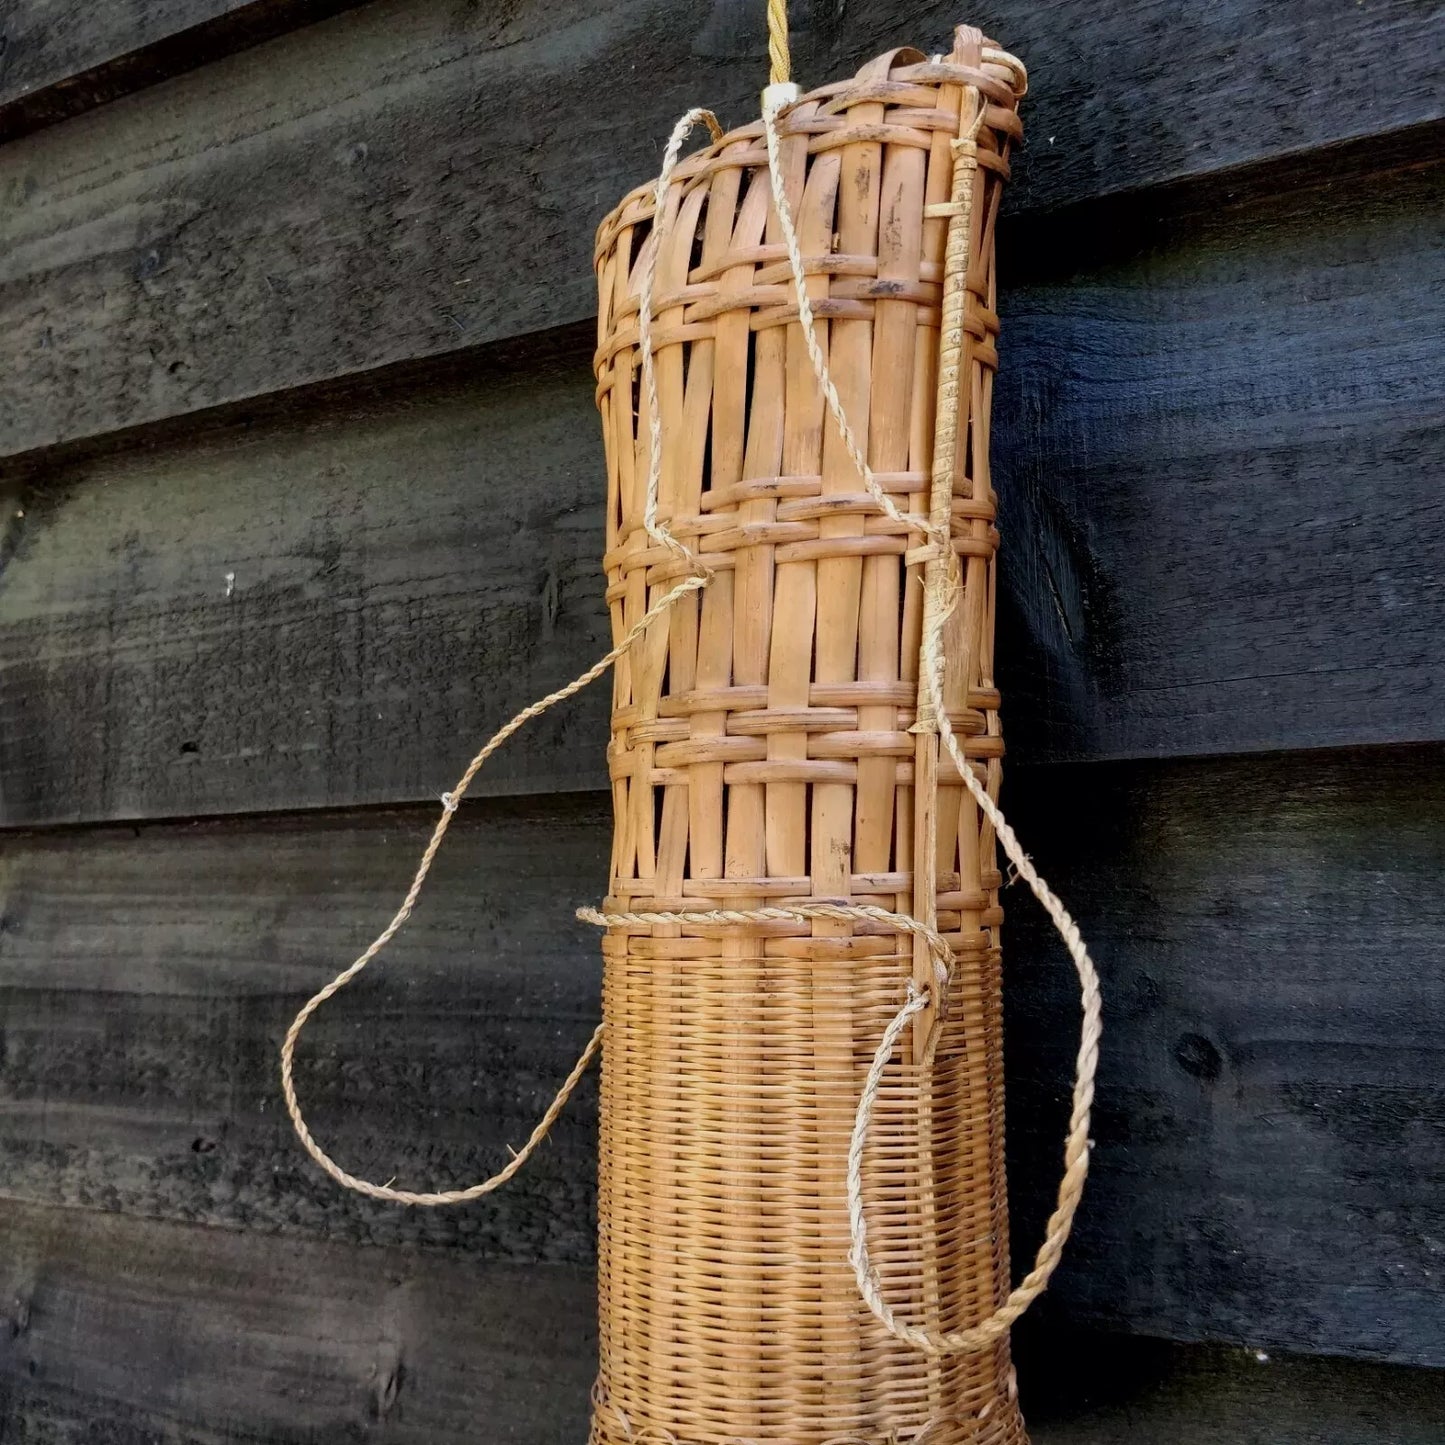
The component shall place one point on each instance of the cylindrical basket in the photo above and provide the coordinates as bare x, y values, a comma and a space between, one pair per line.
769, 748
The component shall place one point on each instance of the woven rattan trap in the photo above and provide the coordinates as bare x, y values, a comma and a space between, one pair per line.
766, 751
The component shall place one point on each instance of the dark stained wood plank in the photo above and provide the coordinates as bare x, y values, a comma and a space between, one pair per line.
409, 178
1082, 1389
333, 609
1217, 455
1272, 1111
148, 979
61, 57
124, 1331
1270, 1138
1212, 460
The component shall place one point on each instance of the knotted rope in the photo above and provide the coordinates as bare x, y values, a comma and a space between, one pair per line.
943, 580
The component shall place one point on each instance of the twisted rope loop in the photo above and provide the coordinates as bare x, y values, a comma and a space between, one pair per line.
700, 578
944, 591
944, 583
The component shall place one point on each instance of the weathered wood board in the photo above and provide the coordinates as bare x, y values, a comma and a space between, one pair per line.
332, 611
127, 1332
148, 978
1080, 1389
1217, 449
1270, 1138
121, 1331
62, 57
1269, 1141
413, 177
335, 604
124, 1331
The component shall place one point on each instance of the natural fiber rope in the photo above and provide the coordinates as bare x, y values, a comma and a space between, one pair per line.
659, 533
450, 800
781, 62
1076, 1146
775, 98
794, 913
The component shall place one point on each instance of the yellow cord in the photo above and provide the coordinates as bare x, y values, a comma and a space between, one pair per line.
782, 64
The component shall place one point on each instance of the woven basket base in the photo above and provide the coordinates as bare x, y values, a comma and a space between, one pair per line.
1003, 1426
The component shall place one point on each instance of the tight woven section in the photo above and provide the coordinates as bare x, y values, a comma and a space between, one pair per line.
768, 748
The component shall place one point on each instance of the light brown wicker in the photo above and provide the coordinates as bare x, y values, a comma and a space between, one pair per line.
764, 752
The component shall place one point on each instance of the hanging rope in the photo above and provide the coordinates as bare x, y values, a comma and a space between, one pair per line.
780, 61
946, 588
451, 800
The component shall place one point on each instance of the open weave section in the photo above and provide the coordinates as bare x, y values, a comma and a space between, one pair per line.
769, 747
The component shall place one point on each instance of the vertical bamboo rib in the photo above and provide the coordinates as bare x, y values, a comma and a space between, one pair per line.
813, 193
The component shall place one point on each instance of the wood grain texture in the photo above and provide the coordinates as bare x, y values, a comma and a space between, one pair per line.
417, 176
129, 1331
1219, 536
332, 609
1215, 459
1096, 1389
61, 57
1270, 1137
125, 1332
149, 978
1271, 1133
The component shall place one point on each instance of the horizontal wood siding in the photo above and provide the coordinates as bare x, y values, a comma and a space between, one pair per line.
1218, 459
326, 611
408, 178
128, 1331
301, 495
1109, 1390
62, 57
149, 977
1270, 1136
1272, 1073
1219, 447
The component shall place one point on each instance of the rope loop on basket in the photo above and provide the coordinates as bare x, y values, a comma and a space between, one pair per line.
655, 529
450, 801
935, 942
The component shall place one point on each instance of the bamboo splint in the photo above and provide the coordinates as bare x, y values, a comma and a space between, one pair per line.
772, 747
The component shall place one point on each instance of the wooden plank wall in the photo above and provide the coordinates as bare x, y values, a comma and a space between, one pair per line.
300, 494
